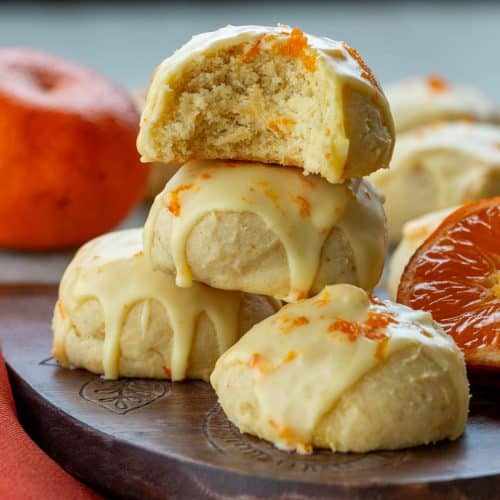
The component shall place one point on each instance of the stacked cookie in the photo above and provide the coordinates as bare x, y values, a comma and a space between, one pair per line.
277, 128
226, 235
274, 130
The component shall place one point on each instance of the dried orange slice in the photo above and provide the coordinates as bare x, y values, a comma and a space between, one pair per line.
455, 275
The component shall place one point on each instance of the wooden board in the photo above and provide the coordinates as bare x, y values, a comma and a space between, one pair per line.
154, 439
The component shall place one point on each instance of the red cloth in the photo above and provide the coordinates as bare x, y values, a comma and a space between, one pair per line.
26, 472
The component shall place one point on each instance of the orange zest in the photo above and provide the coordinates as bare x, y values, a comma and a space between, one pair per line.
437, 83
366, 72
371, 329
255, 359
288, 324
295, 46
281, 126
350, 328
174, 203
455, 275
290, 357
252, 51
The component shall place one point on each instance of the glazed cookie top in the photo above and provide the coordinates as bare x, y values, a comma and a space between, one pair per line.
113, 270
305, 357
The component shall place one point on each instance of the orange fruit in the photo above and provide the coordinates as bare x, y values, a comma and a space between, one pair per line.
69, 169
455, 275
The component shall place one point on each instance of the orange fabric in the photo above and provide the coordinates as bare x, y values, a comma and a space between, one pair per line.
26, 472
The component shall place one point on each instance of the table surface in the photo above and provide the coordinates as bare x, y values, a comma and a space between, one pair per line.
142, 438
126, 41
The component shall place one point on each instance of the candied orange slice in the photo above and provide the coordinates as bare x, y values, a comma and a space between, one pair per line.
455, 275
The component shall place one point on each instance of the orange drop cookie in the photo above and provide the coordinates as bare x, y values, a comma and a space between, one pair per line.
265, 229
439, 166
419, 101
455, 275
345, 371
273, 95
117, 317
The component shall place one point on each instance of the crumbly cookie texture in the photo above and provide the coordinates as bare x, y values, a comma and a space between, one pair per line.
159, 173
274, 95
347, 372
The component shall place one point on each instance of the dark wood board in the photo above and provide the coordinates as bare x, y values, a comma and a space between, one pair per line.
154, 439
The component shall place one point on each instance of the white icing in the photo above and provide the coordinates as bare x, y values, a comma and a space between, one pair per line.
113, 270
301, 364
300, 210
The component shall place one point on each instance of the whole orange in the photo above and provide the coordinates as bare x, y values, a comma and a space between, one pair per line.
69, 169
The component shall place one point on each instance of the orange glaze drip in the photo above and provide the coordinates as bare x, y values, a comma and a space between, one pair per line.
205, 176
295, 46
304, 208
167, 371
454, 276
437, 83
174, 203
366, 72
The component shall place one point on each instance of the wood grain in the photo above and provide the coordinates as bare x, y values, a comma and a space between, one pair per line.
154, 439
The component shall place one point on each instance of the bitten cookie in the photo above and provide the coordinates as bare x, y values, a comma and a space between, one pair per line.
118, 317
345, 372
439, 166
420, 101
273, 95
262, 229
159, 173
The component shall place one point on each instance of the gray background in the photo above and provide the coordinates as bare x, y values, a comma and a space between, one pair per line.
460, 41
